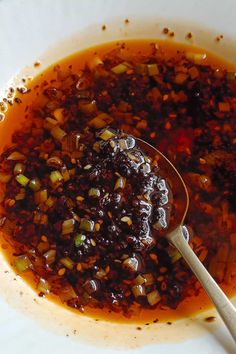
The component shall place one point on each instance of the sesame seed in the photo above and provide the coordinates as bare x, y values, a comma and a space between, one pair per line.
61, 271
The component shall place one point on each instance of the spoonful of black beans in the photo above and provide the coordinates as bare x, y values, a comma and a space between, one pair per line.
173, 206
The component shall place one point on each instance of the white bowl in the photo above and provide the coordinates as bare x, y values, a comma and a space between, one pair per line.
49, 30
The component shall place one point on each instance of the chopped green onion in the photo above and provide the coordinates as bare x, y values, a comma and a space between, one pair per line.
50, 202
86, 225
40, 218
79, 239
55, 162
141, 69
100, 121
49, 123
19, 168
148, 278
35, 184
67, 262
43, 286
15, 155
50, 256
152, 69
174, 254
88, 108
71, 142
94, 192
153, 297
138, 290
67, 293
22, 180
5, 177
65, 173
58, 115
106, 135
231, 76
52, 121
139, 280
97, 146
195, 57
20, 195
180, 78
41, 196
58, 133
68, 226
55, 177
22, 263
119, 69
94, 61
120, 183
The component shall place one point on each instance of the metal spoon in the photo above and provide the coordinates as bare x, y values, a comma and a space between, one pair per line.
176, 238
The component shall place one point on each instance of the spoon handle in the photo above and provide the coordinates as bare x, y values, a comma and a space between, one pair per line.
225, 308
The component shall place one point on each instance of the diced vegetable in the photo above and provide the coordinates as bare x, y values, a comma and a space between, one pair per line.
22, 180
139, 280
68, 226
56, 177
79, 239
51, 122
16, 156
174, 254
22, 263
119, 69
20, 195
43, 286
100, 121
40, 218
197, 58
138, 290
59, 116
153, 297
35, 184
231, 76
41, 196
67, 262
88, 108
50, 256
19, 168
50, 202
86, 225
180, 78
94, 192
67, 293
152, 69
94, 61
55, 162
193, 72
65, 174
120, 183
133, 264
148, 278
58, 133
91, 286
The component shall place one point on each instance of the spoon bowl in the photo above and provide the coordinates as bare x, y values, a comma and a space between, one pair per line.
176, 236
175, 181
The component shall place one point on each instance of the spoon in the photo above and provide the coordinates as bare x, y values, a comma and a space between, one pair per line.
177, 237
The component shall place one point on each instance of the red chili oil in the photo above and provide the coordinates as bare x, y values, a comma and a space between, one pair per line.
178, 98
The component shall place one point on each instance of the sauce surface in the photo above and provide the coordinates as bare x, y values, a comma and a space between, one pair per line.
170, 97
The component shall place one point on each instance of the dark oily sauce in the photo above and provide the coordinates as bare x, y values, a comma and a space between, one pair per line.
169, 96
